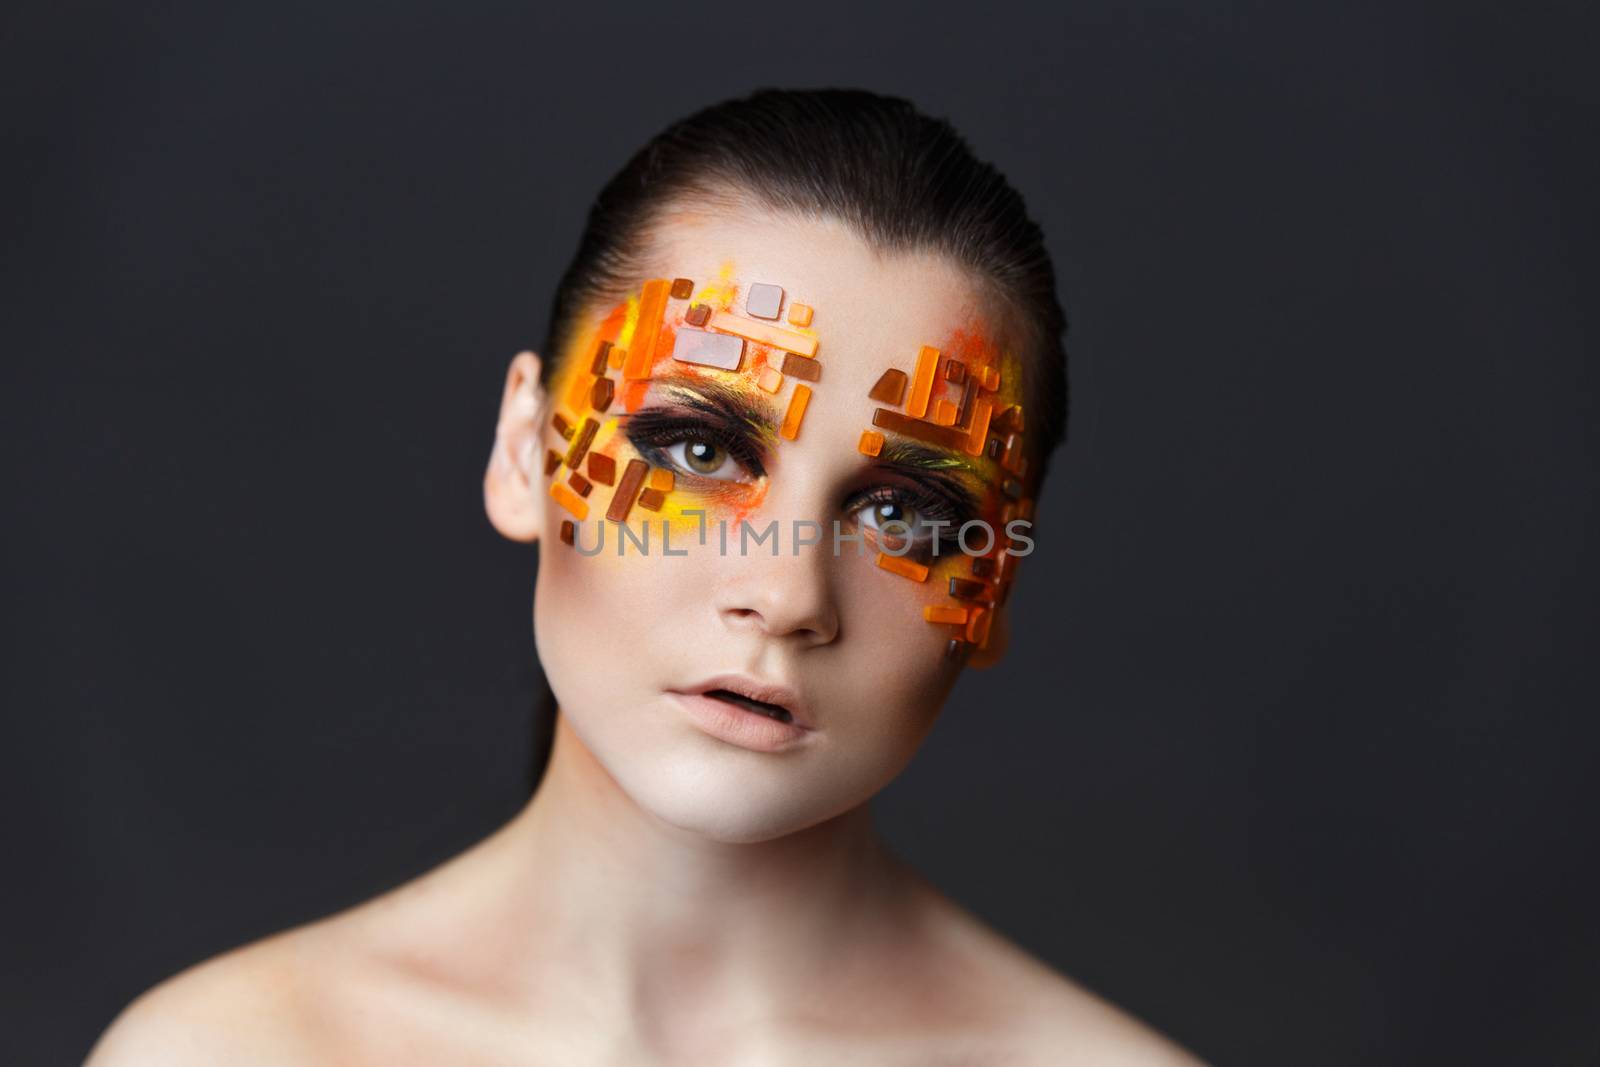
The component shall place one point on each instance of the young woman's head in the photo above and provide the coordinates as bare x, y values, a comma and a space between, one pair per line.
802, 381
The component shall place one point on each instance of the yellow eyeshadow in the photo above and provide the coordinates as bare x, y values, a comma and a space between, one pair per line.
578, 391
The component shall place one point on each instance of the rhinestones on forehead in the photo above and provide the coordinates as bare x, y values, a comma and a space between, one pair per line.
705, 331
647, 329
763, 301
922, 381
797, 410
800, 367
890, 387
721, 350
760, 332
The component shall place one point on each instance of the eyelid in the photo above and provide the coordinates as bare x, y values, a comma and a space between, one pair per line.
945, 507
945, 490
660, 428
669, 457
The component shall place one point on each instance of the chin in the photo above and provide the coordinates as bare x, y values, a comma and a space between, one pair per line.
721, 793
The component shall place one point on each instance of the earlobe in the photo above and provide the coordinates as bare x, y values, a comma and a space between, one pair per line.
512, 482
981, 659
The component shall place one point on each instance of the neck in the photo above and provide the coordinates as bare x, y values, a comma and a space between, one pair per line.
665, 926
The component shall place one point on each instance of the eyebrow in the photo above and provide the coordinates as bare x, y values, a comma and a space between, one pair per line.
933, 465
719, 399
909, 454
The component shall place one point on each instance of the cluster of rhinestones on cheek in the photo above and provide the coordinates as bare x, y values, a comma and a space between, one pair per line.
954, 403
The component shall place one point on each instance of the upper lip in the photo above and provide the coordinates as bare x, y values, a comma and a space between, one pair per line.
767, 692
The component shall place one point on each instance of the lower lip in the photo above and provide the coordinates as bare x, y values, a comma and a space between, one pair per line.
739, 726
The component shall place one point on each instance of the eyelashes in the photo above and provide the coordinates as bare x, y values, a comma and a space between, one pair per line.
949, 505
929, 505
653, 431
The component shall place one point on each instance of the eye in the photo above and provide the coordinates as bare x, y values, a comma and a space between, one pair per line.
885, 510
880, 513
705, 458
882, 509
695, 446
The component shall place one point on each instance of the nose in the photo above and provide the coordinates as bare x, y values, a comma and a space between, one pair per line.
783, 595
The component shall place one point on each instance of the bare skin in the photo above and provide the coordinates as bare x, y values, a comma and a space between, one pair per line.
538, 947
665, 897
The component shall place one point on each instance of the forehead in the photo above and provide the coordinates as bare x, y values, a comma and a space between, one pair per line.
878, 305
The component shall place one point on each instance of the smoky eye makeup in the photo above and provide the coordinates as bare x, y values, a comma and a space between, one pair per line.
655, 434
719, 439
699, 430
707, 391
920, 502
936, 485
698, 427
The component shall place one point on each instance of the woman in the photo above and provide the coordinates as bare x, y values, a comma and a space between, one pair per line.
801, 383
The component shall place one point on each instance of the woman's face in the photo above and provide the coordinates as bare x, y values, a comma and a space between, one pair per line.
742, 406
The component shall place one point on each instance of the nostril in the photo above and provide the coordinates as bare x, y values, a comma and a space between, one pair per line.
806, 614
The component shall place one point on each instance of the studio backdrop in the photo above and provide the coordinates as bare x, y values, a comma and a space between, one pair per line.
1292, 757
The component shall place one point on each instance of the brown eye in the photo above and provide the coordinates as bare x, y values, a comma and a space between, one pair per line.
886, 511
880, 513
705, 458
700, 446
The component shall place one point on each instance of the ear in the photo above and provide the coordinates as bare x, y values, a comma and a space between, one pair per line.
981, 659
512, 486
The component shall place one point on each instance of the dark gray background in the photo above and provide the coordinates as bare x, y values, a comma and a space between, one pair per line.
1292, 757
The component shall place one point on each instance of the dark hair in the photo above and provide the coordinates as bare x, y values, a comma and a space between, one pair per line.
904, 180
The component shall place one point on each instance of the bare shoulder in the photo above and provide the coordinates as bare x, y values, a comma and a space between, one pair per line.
1039, 1015
1069, 1024
328, 991
341, 989
247, 1007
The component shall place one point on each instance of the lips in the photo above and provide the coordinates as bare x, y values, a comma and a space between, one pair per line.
761, 707
775, 701
748, 713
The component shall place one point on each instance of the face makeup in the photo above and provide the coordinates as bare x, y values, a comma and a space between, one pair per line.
845, 637
672, 405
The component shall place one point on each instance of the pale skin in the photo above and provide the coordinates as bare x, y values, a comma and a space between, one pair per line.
667, 897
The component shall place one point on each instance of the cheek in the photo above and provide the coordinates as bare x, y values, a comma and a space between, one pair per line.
599, 620
898, 675
932, 611
600, 617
